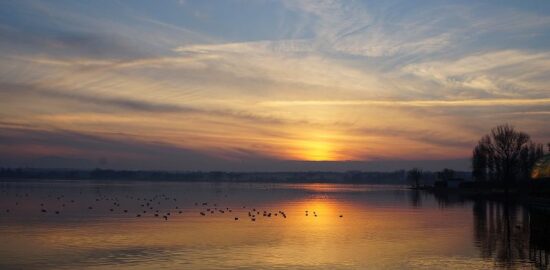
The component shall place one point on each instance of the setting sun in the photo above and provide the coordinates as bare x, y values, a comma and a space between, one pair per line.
317, 151
317, 147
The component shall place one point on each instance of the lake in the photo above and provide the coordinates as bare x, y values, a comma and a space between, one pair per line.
224, 226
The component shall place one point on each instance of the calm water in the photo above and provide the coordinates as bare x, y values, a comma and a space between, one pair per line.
382, 227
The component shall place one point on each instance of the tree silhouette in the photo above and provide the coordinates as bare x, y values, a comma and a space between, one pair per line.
414, 175
479, 162
504, 155
446, 174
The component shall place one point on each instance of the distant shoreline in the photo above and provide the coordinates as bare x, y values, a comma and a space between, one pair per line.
254, 181
395, 178
536, 193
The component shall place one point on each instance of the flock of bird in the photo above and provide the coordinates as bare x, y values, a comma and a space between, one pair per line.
155, 206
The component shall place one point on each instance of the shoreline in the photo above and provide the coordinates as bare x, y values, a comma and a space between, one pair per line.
528, 195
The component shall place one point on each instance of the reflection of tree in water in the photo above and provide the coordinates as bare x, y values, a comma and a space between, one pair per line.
415, 198
509, 233
540, 238
444, 199
449, 199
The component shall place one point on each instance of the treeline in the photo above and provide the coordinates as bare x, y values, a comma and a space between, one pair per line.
396, 177
418, 178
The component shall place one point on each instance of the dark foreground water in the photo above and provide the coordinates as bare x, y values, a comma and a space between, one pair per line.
346, 227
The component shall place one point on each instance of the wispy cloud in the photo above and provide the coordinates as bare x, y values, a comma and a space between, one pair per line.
414, 103
508, 73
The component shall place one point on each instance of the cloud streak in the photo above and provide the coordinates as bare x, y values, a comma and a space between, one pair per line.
415, 103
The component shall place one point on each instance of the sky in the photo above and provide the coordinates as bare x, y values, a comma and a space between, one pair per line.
267, 85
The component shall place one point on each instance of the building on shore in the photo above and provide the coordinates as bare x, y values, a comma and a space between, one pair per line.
541, 170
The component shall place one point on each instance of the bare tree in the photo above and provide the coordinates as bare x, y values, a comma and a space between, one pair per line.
414, 175
504, 155
479, 163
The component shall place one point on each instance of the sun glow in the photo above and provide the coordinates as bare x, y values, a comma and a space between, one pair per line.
315, 149
318, 151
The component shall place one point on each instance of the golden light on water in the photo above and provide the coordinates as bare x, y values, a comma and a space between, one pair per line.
320, 206
317, 214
